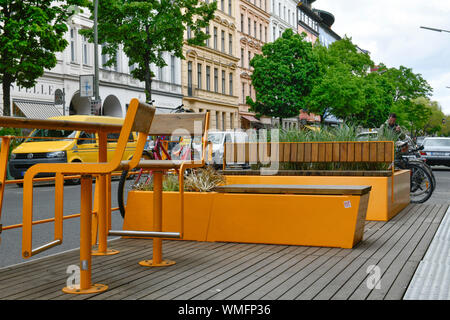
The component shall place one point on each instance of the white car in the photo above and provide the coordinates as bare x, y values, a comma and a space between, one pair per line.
218, 140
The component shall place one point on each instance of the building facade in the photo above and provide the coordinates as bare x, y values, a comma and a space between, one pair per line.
283, 15
116, 86
209, 73
308, 21
253, 33
326, 35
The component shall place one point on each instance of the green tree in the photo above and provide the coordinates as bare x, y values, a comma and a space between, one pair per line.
146, 29
31, 32
283, 76
413, 114
340, 89
435, 123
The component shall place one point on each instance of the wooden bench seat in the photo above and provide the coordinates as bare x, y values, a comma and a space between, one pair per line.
351, 173
294, 189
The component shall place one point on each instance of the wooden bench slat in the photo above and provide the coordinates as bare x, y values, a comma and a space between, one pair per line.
294, 189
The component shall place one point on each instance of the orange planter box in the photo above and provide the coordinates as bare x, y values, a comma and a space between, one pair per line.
309, 220
382, 206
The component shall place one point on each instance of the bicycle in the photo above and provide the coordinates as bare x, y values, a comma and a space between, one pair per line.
422, 183
151, 152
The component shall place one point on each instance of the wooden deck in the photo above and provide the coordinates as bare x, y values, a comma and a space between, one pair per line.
244, 271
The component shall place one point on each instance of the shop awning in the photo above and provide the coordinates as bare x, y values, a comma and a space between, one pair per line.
35, 109
250, 118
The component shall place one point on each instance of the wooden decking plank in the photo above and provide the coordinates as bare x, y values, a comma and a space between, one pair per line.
301, 262
398, 251
41, 263
64, 261
399, 286
134, 274
391, 268
278, 291
254, 287
235, 282
223, 272
355, 259
381, 246
306, 282
148, 284
58, 278
117, 265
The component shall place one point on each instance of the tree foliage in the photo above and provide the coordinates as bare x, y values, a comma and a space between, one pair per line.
147, 29
283, 76
31, 32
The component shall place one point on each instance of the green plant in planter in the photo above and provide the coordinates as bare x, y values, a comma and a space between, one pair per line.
197, 180
203, 180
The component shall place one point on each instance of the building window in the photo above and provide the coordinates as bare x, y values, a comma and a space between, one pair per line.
172, 69
254, 29
260, 32
243, 93
230, 8
73, 45
230, 44
249, 58
223, 120
85, 50
249, 31
242, 57
208, 78
222, 5
223, 82
223, 40
199, 76
215, 38
242, 23
231, 84
189, 32
207, 33
216, 80
190, 78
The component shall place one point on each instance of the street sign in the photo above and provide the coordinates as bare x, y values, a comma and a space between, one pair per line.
87, 85
59, 97
96, 107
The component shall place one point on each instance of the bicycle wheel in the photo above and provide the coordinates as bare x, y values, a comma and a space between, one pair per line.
426, 167
142, 177
422, 185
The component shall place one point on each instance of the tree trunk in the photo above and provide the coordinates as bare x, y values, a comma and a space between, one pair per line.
6, 96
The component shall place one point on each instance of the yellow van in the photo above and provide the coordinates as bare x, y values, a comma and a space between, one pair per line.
79, 146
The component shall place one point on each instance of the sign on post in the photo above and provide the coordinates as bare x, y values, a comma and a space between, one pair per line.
87, 85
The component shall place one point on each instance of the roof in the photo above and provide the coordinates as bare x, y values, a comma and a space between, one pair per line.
35, 109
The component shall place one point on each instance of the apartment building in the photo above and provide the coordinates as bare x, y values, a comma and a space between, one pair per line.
283, 15
209, 73
253, 33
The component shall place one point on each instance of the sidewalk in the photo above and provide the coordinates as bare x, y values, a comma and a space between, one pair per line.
431, 280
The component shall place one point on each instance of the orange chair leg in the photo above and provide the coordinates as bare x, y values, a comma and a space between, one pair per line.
85, 285
157, 260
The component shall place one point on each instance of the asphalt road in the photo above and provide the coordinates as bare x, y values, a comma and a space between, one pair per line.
11, 240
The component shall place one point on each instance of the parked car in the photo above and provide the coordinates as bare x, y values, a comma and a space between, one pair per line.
218, 140
436, 151
419, 141
367, 135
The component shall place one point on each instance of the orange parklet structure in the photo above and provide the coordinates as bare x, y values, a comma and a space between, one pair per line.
138, 118
170, 124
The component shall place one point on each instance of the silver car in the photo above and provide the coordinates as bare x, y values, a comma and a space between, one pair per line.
436, 151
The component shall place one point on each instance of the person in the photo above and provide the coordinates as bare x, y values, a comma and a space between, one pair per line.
391, 124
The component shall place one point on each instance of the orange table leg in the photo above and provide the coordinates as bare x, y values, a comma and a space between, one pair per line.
157, 260
85, 285
103, 225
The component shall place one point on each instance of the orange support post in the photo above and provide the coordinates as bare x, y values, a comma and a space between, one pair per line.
85, 285
157, 260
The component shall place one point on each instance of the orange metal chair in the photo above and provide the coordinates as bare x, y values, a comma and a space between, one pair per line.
138, 118
170, 124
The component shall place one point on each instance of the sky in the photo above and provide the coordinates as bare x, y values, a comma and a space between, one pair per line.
390, 31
